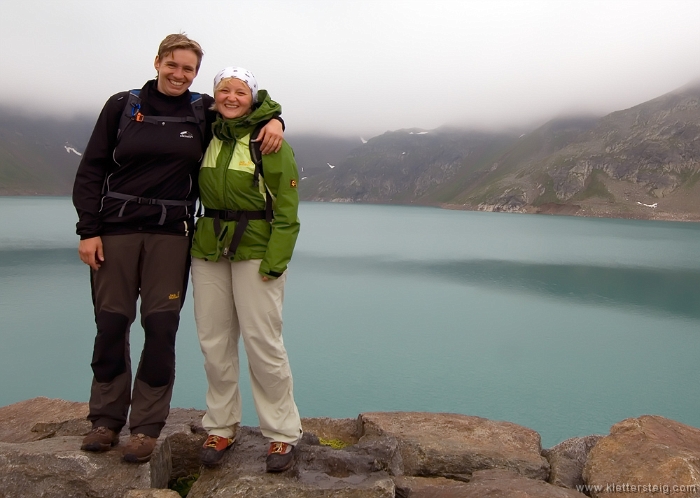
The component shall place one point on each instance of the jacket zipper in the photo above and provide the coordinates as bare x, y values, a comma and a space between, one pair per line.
225, 170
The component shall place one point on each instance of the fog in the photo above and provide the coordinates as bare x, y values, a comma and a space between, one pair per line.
363, 67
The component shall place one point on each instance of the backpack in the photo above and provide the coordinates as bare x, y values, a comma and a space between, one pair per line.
132, 112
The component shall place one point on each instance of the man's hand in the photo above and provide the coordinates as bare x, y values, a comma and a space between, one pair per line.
271, 136
91, 252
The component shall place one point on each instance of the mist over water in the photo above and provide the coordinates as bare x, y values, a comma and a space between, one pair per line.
564, 325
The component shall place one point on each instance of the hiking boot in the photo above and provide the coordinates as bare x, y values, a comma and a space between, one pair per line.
213, 449
280, 457
100, 439
139, 448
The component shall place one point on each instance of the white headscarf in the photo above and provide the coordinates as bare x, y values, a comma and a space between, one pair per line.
239, 73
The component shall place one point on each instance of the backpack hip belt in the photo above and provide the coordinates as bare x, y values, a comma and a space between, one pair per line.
241, 217
145, 200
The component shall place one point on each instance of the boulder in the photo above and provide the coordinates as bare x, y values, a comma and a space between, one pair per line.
318, 471
566, 460
55, 468
183, 430
649, 455
441, 444
385, 451
41, 418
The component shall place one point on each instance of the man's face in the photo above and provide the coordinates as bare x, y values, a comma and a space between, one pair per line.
176, 71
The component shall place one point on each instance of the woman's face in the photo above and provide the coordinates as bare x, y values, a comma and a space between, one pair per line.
176, 71
234, 99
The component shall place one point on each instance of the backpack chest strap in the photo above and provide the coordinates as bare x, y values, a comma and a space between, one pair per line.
161, 120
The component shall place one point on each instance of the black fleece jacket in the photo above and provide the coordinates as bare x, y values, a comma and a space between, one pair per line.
154, 161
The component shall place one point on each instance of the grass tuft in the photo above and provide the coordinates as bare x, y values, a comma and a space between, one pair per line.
336, 444
183, 485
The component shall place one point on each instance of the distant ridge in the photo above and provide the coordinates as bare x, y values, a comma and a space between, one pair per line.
641, 162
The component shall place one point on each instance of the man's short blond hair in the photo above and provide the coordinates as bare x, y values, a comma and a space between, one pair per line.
180, 41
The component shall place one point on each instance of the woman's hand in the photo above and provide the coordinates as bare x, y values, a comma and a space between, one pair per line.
91, 252
271, 136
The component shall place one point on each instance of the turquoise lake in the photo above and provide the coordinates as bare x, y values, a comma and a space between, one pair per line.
565, 325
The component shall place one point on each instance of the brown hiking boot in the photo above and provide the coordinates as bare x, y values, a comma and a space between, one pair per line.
280, 457
213, 449
139, 448
100, 439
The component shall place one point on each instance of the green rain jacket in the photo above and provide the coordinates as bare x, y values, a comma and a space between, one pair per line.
226, 183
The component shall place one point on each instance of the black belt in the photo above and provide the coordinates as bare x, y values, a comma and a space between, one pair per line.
241, 217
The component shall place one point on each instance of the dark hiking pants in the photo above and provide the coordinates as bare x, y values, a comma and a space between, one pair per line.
154, 267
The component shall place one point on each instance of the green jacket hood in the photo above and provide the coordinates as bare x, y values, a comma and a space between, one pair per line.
265, 109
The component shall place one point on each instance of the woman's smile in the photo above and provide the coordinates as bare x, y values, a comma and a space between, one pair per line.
233, 99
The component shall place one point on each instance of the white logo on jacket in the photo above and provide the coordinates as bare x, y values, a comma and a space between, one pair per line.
186, 134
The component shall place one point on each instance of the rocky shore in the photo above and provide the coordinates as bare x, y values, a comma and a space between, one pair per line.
377, 455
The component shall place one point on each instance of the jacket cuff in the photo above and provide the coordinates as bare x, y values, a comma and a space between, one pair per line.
271, 274
84, 236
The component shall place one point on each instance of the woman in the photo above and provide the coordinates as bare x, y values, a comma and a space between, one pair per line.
240, 252
134, 192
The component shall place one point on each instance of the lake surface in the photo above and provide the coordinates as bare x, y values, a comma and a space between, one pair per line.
564, 325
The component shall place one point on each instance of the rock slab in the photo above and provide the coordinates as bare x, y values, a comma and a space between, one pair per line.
41, 418
499, 483
56, 468
494, 483
444, 444
152, 493
429, 487
646, 456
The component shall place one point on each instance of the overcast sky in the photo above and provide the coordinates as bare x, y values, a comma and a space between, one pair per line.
363, 67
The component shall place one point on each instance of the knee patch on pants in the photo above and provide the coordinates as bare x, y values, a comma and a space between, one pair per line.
157, 366
109, 355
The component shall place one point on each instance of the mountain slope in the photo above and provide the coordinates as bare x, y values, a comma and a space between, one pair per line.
408, 166
642, 162
648, 154
40, 156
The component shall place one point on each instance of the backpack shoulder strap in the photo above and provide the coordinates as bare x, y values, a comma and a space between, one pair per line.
199, 113
132, 112
132, 109
256, 157
255, 153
